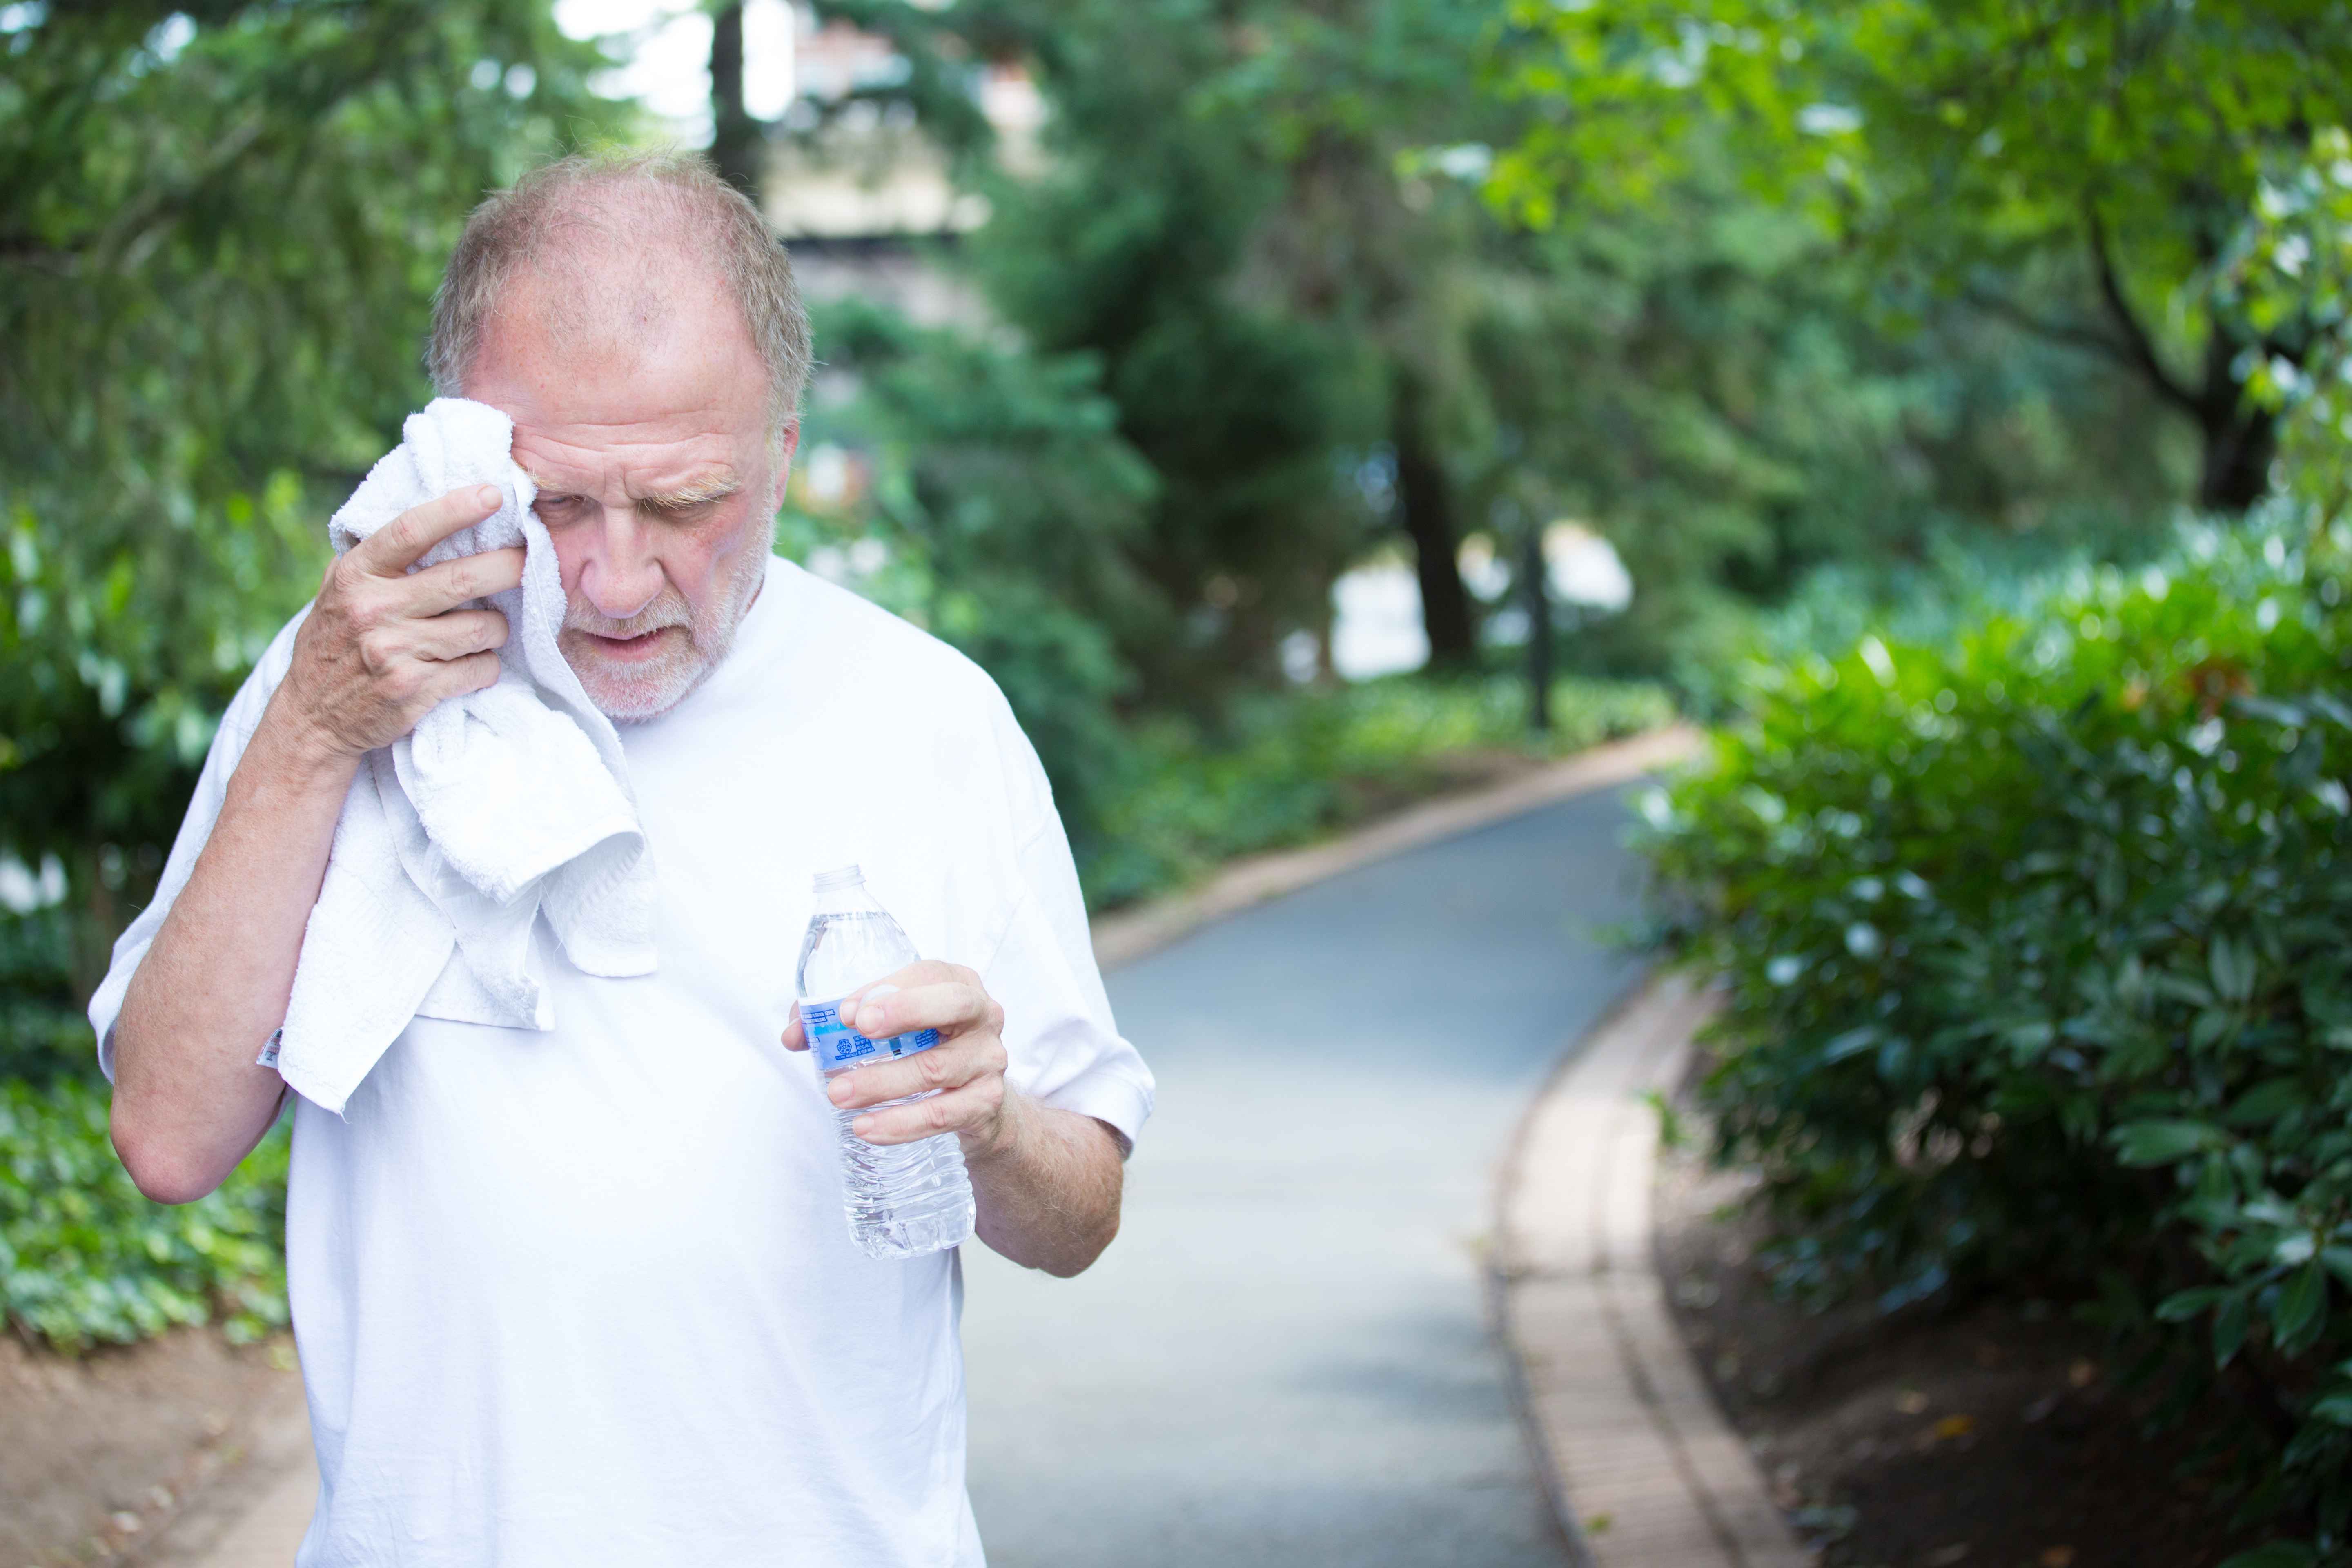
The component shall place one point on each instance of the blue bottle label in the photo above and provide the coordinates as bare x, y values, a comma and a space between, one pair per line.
836, 1046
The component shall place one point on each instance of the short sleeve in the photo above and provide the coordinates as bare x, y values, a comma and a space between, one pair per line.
236, 727
1066, 1050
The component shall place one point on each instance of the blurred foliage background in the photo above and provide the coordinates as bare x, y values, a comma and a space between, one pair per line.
1851, 325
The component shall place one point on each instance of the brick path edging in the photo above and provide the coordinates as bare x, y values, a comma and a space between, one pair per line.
1642, 1465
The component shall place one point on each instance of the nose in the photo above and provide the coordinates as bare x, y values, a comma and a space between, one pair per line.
619, 572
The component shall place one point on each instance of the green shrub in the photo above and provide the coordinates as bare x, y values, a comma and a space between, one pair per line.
1301, 764
2034, 944
43, 1033
85, 1259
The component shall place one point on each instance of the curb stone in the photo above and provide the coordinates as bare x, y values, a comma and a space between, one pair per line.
266, 1533
1642, 1466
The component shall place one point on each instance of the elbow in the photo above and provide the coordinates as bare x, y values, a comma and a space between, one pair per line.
163, 1172
1082, 1256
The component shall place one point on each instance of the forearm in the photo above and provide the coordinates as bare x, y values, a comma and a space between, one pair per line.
1048, 1192
189, 1100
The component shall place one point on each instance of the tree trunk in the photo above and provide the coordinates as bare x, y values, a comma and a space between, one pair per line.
1536, 582
1426, 503
2240, 437
736, 143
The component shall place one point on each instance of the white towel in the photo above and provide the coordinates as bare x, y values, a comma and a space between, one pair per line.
502, 805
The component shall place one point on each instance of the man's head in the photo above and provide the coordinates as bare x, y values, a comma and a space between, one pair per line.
638, 323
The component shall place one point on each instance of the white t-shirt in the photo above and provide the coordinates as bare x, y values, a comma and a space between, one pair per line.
586, 1297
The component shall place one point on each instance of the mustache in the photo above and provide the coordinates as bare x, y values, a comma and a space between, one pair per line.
668, 609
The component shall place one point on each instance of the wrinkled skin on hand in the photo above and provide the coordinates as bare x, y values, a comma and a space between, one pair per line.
966, 1068
382, 645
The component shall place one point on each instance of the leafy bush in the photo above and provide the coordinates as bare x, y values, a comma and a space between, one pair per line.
43, 1033
84, 1258
2034, 943
1301, 764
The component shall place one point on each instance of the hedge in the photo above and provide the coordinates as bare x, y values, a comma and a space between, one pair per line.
85, 1259
2037, 945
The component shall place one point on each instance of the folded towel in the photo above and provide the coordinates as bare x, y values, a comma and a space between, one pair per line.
502, 805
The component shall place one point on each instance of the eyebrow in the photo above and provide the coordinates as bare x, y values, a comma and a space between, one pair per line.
695, 492
717, 484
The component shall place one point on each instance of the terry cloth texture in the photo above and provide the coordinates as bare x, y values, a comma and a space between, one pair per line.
502, 805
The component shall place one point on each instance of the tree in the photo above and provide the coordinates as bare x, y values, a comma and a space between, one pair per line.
1337, 99
2295, 265
1134, 246
1987, 148
1004, 503
1266, 221
738, 139
220, 227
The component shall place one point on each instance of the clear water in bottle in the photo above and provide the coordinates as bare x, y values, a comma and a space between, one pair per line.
904, 1199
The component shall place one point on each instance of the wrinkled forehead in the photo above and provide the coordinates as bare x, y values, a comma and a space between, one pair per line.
622, 352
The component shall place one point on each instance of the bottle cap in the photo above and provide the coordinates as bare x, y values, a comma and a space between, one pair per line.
840, 877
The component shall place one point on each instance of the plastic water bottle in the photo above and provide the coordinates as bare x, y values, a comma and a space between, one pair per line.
904, 1199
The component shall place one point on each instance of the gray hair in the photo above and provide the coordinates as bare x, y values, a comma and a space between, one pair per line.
628, 195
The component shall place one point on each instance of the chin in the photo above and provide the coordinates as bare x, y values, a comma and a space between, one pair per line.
634, 693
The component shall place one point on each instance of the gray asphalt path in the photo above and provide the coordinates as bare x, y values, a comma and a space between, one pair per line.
1285, 1358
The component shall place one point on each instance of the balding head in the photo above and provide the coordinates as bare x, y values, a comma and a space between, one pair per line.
603, 247
638, 322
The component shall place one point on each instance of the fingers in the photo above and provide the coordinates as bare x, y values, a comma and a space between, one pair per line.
969, 1110
920, 972
949, 1065
453, 583
928, 996
397, 545
459, 633
456, 677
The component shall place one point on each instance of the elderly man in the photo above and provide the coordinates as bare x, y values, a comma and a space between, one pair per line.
586, 1296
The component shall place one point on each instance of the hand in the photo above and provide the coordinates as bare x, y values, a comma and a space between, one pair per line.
382, 645
967, 1066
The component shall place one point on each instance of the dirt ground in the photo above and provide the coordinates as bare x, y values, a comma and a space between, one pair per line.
130, 1456
1994, 1438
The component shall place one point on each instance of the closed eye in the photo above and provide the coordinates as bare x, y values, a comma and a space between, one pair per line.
687, 505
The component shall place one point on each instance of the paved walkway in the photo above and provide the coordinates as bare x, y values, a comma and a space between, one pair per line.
1287, 1358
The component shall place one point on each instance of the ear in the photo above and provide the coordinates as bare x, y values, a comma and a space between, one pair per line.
787, 443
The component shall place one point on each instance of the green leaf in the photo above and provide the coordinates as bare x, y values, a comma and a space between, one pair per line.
2211, 1027
2183, 1305
2231, 965
2230, 1319
2300, 1309
1853, 1043
2268, 1102
2162, 1141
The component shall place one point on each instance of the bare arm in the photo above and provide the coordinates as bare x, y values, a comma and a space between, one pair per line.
1048, 1193
189, 1101
1045, 1182
380, 648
